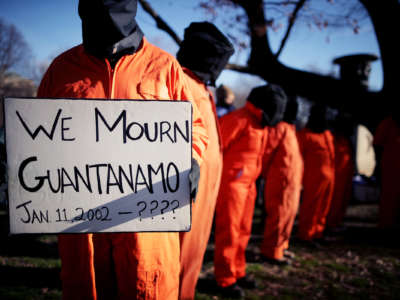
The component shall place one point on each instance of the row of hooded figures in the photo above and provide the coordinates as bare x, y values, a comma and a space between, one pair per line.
230, 153
306, 169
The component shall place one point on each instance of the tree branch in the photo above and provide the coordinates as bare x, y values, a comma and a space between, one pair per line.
292, 19
280, 3
161, 24
238, 68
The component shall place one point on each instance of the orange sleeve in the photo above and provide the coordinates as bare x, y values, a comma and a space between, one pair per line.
200, 137
50, 83
182, 92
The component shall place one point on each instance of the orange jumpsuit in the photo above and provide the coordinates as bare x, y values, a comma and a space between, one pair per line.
243, 140
387, 136
283, 171
141, 265
344, 168
194, 242
318, 182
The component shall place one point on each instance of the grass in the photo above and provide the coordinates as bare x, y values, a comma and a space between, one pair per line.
364, 263
23, 293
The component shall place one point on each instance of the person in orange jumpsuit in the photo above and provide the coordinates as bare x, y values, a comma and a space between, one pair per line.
344, 169
387, 147
202, 69
244, 136
317, 149
115, 61
282, 171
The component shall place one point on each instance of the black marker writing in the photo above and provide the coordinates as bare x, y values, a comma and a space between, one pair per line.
33, 216
63, 128
101, 178
50, 134
162, 131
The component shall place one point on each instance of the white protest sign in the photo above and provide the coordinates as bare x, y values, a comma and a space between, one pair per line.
98, 165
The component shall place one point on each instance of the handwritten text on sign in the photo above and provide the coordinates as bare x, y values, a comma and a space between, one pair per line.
97, 165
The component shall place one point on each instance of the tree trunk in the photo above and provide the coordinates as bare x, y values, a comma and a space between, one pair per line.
385, 18
319, 88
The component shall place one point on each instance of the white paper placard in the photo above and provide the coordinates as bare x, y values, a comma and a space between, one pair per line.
78, 165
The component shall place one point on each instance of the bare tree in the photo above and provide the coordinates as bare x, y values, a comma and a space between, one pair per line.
13, 48
367, 107
161, 24
14, 52
251, 21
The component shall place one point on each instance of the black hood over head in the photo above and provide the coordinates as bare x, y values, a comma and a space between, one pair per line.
344, 124
205, 51
272, 100
109, 27
291, 111
318, 120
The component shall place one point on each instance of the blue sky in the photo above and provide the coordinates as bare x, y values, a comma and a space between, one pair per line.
52, 26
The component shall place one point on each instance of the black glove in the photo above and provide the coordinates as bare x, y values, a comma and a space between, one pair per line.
194, 177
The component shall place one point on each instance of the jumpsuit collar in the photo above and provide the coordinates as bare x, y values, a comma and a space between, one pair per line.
193, 75
257, 112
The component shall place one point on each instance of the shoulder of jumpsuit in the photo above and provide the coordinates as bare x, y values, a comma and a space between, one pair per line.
155, 56
72, 72
72, 69
73, 56
78, 58
235, 119
329, 135
289, 142
155, 69
197, 87
330, 140
290, 130
233, 125
254, 111
277, 133
283, 128
66, 69
160, 69
160, 64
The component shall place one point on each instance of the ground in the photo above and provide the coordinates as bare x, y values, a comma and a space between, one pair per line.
362, 263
